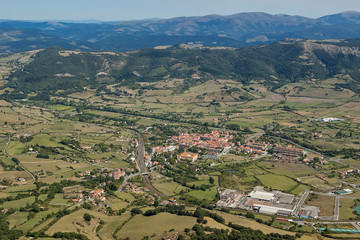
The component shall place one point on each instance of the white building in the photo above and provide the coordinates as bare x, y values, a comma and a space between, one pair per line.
262, 195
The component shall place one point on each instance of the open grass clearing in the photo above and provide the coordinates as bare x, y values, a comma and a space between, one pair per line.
277, 182
208, 194
110, 226
18, 203
289, 169
240, 220
29, 224
75, 223
17, 218
325, 203
125, 196
169, 188
116, 204
316, 183
346, 209
158, 224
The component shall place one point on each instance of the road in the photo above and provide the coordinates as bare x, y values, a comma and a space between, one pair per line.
30, 173
140, 161
127, 177
301, 201
254, 136
337, 208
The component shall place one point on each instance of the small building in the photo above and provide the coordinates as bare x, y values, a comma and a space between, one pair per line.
357, 210
343, 192
188, 156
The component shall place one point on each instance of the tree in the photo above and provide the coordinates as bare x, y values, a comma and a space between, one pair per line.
135, 211
211, 180
87, 217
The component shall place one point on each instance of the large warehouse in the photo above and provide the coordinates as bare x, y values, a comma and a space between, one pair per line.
262, 195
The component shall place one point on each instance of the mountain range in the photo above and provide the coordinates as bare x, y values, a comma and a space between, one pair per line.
58, 71
238, 30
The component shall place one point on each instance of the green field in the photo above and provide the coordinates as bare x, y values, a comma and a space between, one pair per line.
169, 188
277, 182
155, 225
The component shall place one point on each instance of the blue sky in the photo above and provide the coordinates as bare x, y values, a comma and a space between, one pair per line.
112, 10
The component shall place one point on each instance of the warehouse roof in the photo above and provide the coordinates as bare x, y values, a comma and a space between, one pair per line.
262, 195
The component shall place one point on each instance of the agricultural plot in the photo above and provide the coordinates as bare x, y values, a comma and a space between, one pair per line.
116, 203
75, 223
241, 220
106, 232
325, 203
316, 183
169, 188
155, 225
208, 194
346, 209
289, 169
277, 182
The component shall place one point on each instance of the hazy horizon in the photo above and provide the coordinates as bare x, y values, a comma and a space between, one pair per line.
125, 10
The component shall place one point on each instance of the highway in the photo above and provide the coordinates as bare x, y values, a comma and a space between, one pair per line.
140, 161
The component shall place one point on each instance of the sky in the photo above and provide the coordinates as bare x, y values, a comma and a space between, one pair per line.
117, 10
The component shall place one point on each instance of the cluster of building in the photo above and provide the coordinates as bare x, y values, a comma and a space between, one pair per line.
346, 173
132, 187
259, 200
170, 201
288, 154
164, 149
74, 192
115, 174
214, 142
309, 212
255, 148
78, 195
282, 154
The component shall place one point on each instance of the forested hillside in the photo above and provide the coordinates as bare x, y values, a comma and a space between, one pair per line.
273, 65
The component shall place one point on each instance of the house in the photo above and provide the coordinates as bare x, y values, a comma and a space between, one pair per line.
188, 156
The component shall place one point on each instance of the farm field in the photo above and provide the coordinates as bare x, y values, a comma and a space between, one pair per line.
158, 225
251, 223
85, 138
277, 182
325, 203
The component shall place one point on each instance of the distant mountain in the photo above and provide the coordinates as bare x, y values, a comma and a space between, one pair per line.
273, 65
349, 17
243, 29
